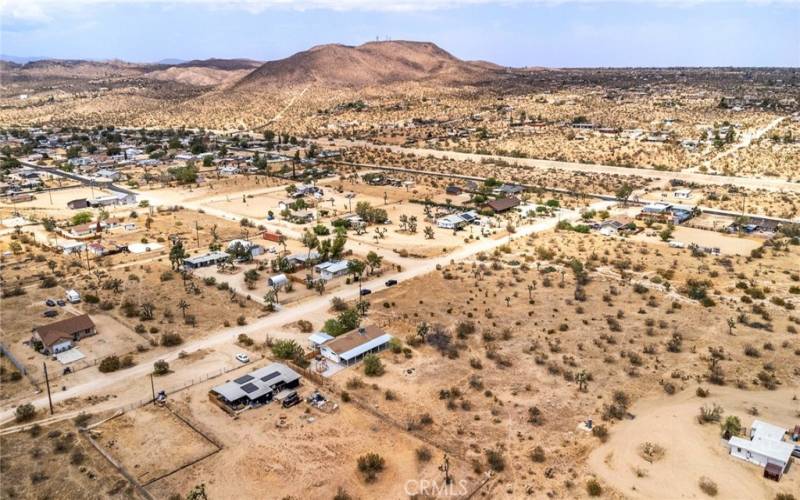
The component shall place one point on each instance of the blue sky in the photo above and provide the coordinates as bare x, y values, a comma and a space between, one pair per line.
554, 33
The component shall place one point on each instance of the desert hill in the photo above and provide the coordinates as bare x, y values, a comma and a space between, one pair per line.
373, 63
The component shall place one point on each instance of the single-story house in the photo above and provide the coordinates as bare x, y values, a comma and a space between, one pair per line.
503, 204
453, 190
209, 259
614, 226
452, 221
457, 221
765, 447
254, 249
352, 346
329, 270
303, 259
68, 247
684, 194
509, 189
255, 388
112, 175
113, 199
59, 336
79, 203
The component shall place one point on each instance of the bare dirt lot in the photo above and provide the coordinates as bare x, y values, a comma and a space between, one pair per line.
131, 436
57, 463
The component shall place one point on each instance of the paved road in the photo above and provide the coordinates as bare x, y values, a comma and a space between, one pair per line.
768, 183
316, 307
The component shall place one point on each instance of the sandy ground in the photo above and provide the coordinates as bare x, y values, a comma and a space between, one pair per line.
58, 474
131, 436
693, 450
727, 244
300, 452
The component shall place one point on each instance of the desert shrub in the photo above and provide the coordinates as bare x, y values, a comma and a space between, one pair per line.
373, 366
110, 364
305, 326
82, 419
710, 414
171, 339
342, 494
702, 392
537, 455
651, 452
708, 486
286, 349
370, 465
593, 488
495, 460
245, 340
424, 454
77, 457
160, 367
600, 432
25, 412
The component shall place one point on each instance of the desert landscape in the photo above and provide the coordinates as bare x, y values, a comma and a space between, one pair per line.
380, 270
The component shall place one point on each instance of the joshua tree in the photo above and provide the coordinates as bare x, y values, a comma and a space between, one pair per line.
731, 325
183, 306
583, 380
429, 235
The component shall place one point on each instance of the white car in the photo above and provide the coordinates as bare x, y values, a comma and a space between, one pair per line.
243, 358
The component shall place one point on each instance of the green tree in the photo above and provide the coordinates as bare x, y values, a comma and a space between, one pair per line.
374, 261
177, 254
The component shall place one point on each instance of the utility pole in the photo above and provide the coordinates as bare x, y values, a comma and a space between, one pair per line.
153, 389
197, 232
47, 382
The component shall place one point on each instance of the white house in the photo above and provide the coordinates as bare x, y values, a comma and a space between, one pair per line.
329, 270
683, 194
765, 448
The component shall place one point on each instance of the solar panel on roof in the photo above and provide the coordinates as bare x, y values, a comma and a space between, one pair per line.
243, 379
248, 388
270, 376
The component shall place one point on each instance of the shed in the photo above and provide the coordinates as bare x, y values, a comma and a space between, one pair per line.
279, 280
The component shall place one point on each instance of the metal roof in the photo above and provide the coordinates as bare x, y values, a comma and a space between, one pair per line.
257, 383
775, 450
366, 347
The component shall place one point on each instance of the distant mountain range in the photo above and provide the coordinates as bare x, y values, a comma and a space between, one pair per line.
335, 65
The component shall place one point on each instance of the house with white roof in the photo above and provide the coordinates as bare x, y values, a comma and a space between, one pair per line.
765, 447
330, 270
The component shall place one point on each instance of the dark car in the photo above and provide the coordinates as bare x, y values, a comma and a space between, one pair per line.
365, 291
50, 313
391, 283
290, 400
61, 303
50, 302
